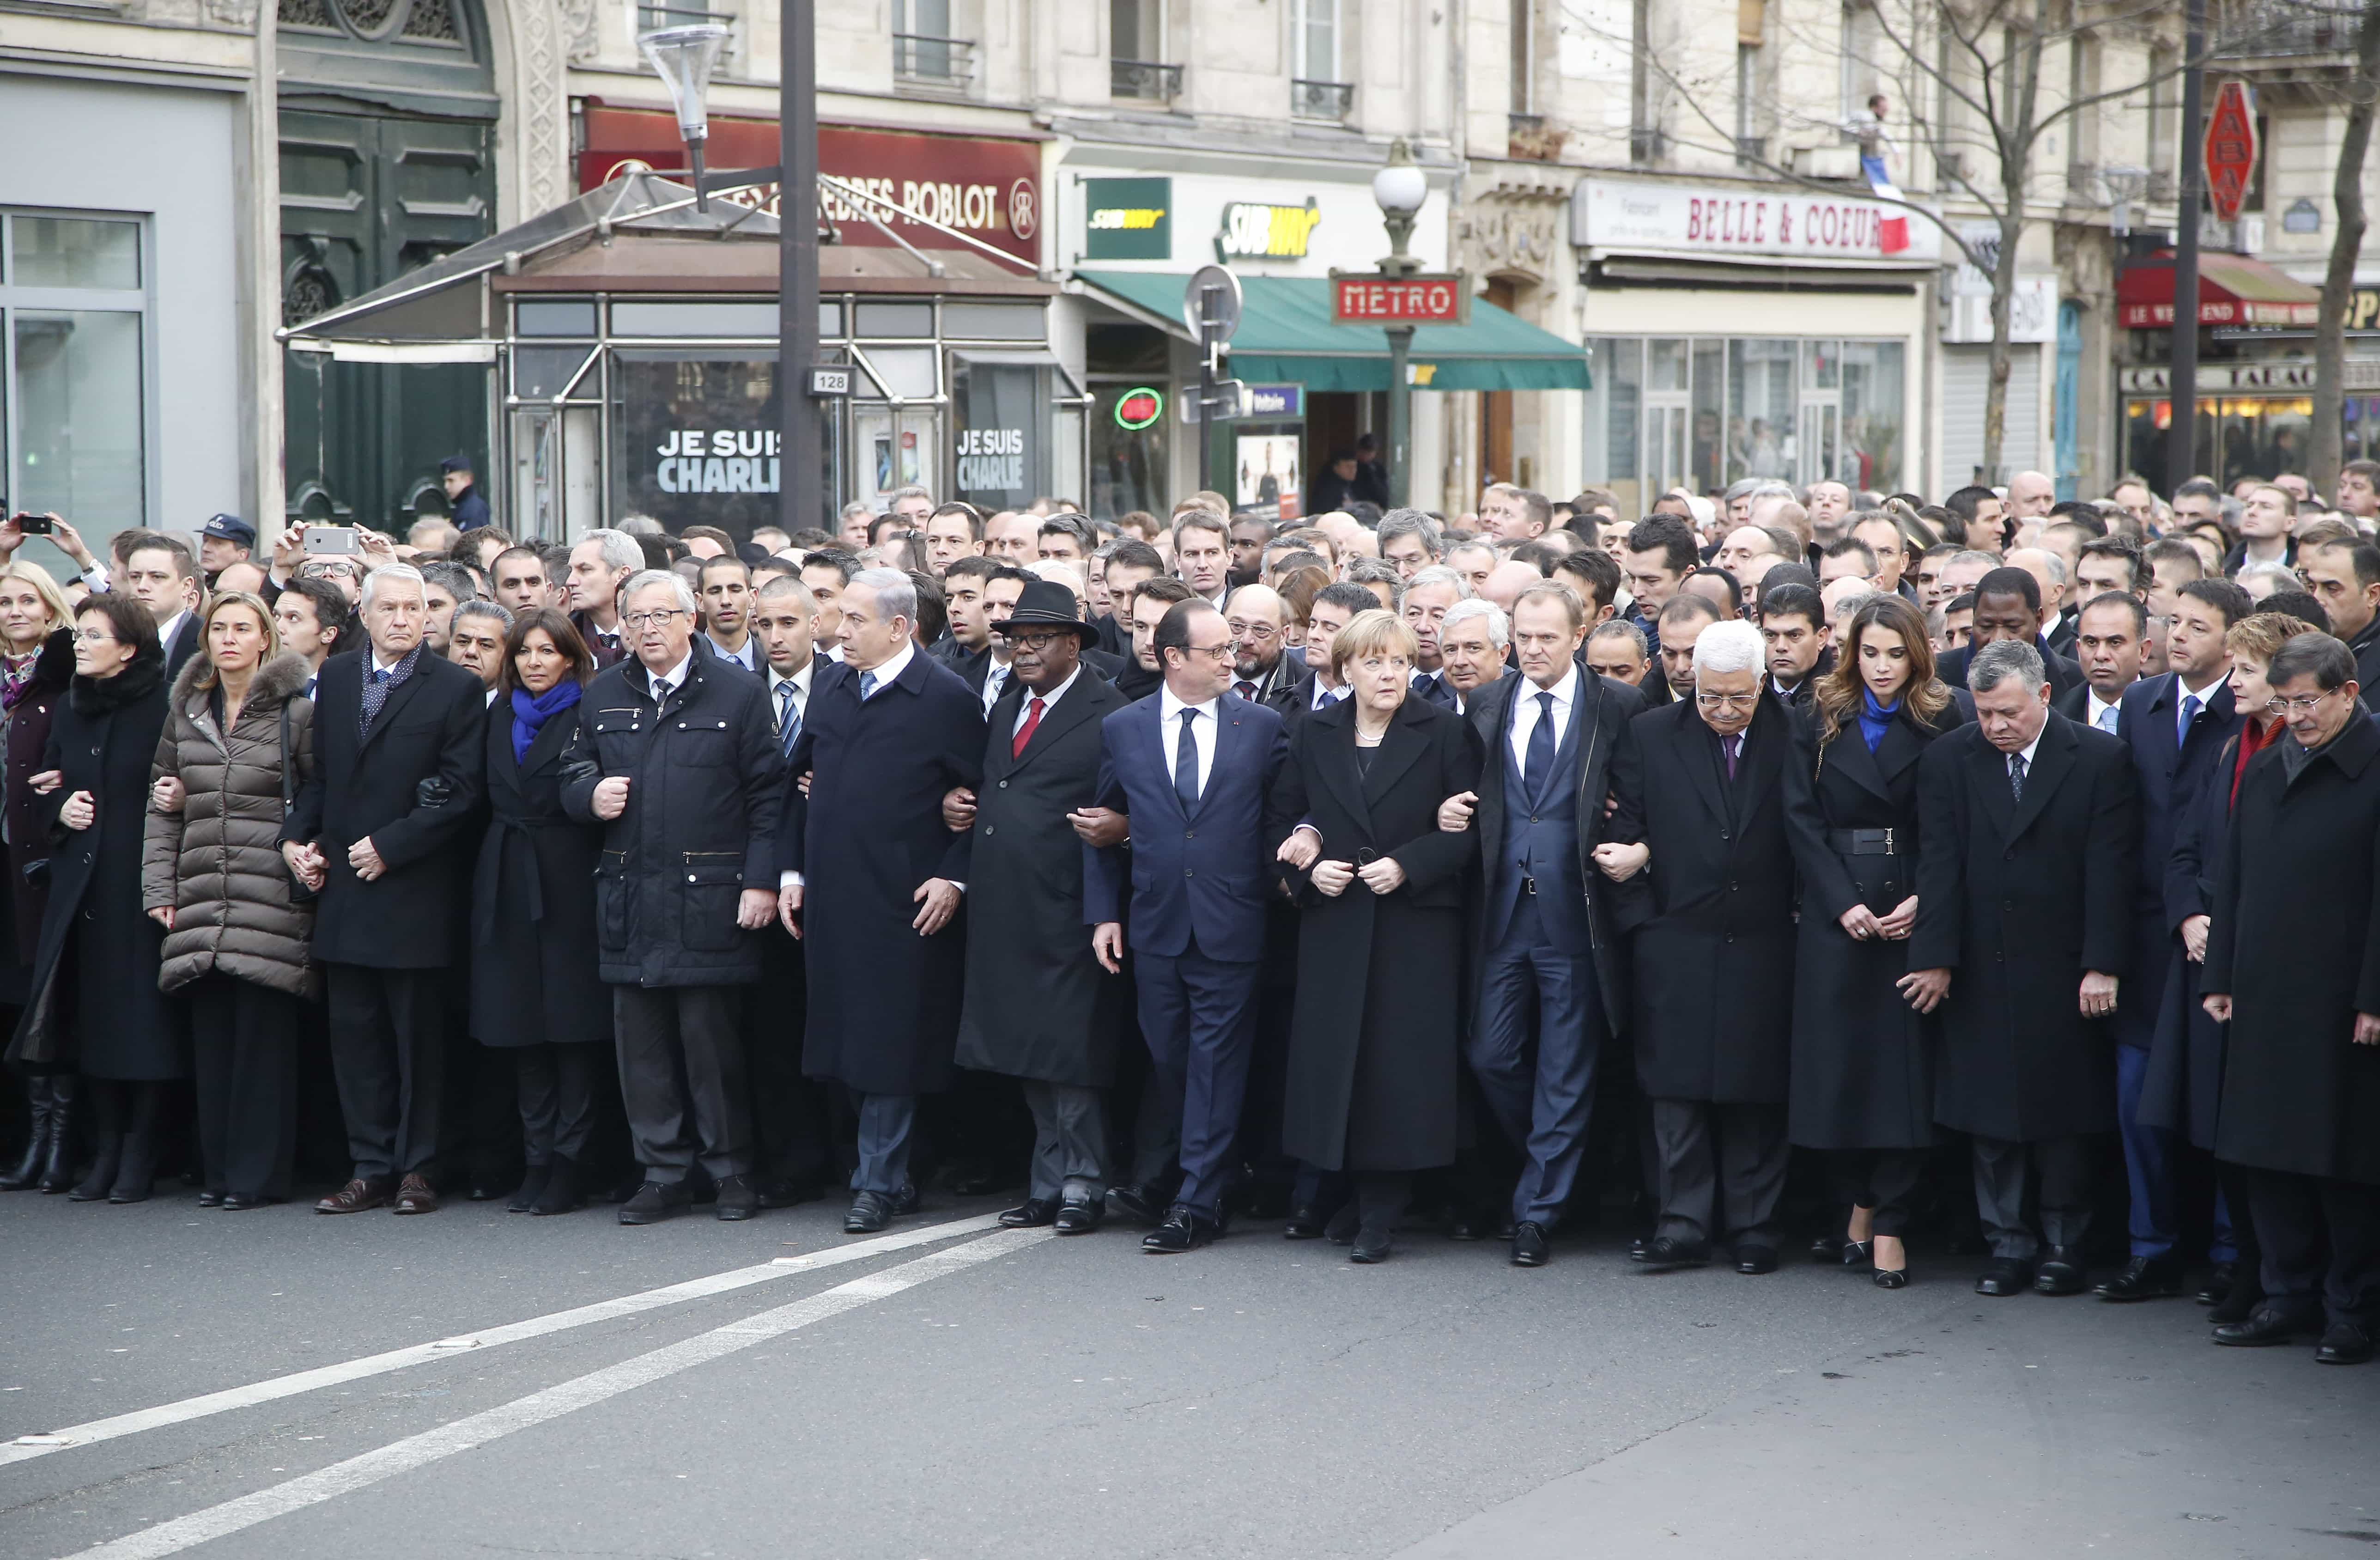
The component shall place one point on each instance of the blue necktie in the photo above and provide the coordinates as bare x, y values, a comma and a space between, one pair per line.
866, 685
1540, 764
789, 719
2107, 718
2190, 708
1185, 763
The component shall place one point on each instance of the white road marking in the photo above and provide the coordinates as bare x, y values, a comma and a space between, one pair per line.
26, 1448
477, 1429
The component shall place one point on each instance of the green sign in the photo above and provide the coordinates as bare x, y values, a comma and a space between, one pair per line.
1135, 409
1128, 219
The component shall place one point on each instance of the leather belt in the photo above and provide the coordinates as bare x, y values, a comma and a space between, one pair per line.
1862, 841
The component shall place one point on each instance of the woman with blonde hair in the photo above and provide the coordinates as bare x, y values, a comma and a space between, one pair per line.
36, 663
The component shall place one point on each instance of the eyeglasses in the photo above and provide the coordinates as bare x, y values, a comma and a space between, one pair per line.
325, 571
94, 636
1037, 642
1728, 701
1212, 652
2305, 705
651, 619
1258, 631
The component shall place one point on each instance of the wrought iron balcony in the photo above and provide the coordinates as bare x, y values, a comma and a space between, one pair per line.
933, 64
1331, 101
1144, 80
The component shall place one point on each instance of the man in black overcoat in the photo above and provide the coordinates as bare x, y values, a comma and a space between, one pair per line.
2008, 606
1039, 1006
2293, 964
2025, 877
399, 774
677, 757
885, 739
1713, 915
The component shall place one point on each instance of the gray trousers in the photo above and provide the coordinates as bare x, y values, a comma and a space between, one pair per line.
1719, 1161
1070, 1136
887, 1124
2057, 1170
682, 1079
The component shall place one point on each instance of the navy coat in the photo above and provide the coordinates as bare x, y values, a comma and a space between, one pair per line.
2169, 772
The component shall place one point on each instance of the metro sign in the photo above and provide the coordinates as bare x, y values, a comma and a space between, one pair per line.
1400, 300
2230, 149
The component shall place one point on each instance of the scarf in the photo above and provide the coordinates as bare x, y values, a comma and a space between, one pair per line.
2251, 742
1875, 719
530, 714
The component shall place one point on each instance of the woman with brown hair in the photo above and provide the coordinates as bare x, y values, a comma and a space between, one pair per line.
37, 660
535, 988
239, 926
1862, 1075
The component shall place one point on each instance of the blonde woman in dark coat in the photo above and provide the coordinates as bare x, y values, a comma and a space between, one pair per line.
238, 923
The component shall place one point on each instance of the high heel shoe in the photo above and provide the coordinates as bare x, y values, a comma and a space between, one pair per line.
1890, 1278
1859, 1253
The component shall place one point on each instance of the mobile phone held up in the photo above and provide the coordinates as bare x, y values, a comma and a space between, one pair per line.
337, 540
29, 525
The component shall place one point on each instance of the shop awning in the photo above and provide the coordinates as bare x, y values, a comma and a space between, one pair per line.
1286, 335
2232, 290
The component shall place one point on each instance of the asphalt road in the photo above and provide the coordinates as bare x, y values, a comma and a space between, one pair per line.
953, 1391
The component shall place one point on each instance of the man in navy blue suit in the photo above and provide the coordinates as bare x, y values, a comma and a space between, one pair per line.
2175, 726
1190, 765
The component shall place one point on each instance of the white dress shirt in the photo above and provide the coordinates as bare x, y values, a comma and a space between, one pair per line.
1326, 697
801, 686
663, 684
890, 669
995, 683
2204, 695
1526, 708
1048, 702
168, 629
2027, 755
1202, 732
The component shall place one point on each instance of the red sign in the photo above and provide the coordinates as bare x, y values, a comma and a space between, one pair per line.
987, 188
1404, 300
2230, 149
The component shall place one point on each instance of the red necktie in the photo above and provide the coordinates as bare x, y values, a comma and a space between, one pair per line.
1025, 732
1247, 691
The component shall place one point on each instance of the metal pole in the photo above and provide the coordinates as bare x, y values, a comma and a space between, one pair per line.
802, 474
1400, 416
694, 160
1206, 313
2181, 377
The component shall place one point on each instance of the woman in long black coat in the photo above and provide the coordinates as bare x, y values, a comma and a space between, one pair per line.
1372, 1052
535, 988
94, 1004
36, 664
1862, 1067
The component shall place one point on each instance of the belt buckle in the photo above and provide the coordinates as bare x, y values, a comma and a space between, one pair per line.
1529, 886
1891, 849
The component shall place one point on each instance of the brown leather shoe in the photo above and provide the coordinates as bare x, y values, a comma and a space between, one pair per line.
364, 1191
416, 1196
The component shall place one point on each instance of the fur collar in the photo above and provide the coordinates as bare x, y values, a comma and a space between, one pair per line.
276, 682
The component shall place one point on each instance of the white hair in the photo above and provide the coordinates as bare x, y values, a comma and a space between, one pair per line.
896, 593
1730, 645
646, 579
1439, 574
392, 571
616, 548
1500, 628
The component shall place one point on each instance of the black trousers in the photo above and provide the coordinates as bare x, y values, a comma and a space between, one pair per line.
1719, 1161
556, 1084
388, 1047
683, 1079
2320, 1241
792, 1125
1880, 1180
2059, 1171
244, 1045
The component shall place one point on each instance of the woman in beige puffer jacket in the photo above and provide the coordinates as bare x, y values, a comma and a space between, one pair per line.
238, 942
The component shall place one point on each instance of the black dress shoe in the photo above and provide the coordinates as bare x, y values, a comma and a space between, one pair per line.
870, 1212
562, 1193
2144, 1278
1754, 1260
788, 1191
240, 1202
1530, 1248
2005, 1275
1341, 1228
2344, 1344
1374, 1246
1463, 1224
210, 1200
1143, 1203
533, 1187
1827, 1248
1506, 1227
2240, 1302
1890, 1278
1184, 1229
1305, 1223
1666, 1251
905, 1201
1636, 1248
738, 1199
655, 1201
2061, 1272
2268, 1325
1032, 1213
2218, 1285
1077, 1218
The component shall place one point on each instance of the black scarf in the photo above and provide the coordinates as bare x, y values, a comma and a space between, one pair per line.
93, 696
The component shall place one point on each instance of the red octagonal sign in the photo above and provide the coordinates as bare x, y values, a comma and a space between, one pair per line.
2230, 149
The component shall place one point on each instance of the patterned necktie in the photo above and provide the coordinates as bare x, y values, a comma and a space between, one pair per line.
1541, 746
866, 686
376, 687
1244, 690
789, 718
2016, 776
1731, 745
1186, 763
994, 680
1025, 732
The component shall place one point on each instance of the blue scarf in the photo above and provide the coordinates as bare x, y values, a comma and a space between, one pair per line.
1874, 718
529, 713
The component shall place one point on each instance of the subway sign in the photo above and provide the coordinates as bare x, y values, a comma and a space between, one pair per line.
1400, 300
1258, 232
1128, 219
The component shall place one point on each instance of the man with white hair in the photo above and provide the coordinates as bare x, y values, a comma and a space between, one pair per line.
1428, 596
1471, 643
1714, 949
600, 562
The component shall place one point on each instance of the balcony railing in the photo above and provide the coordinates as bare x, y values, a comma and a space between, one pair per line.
1144, 80
2273, 28
945, 65
651, 18
1331, 101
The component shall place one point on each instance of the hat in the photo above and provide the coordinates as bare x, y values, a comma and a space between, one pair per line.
1045, 603
453, 463
231, 527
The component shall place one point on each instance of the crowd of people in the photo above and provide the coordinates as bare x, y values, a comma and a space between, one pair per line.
1776, 866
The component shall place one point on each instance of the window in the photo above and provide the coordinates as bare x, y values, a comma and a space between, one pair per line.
1525, 22
1316, 44
72, 367
1862, 76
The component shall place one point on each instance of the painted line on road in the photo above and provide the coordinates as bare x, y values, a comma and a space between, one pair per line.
478, 1430
275, 1388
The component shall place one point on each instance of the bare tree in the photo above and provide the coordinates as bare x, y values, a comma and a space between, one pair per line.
2347, 239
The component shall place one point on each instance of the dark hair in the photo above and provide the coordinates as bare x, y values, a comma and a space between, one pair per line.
933, 609
2080, 513
129, 622
724, 560
2363, 556
709, 534
1967, 500
1849, 545
2227, 596
1794, 600
2198, 487
840, 559
977, 565
1539, 556
2140, 614
561, 630
1173, 630
2171, 549
2010, 583
1838, 692
453, 579
1295, 558
1734, 590
516, 551
186, 563
1964, 602
2331, 664
965, 511
1686, 604
2122, 547
1669, 535
332, 614
1133, 553
1593, 567
1342, 593
1070, 525
2300, 604
1785, 575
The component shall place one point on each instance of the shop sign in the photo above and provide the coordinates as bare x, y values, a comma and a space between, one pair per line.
1128, 219
1625, 216
1400, 300
1276, 400
2294, 375
716, 460
1258, 232
2230, 149
1137, 409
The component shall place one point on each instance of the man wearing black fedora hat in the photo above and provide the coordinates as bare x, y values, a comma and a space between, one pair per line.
1039, 1006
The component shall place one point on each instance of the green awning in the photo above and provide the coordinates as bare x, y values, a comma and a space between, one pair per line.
1286, 335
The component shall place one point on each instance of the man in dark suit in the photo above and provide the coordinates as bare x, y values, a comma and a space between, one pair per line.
2026, 872
2008, 606
162, 575
1542, 935
1193, 766
1794, 632
398, 778
2111, 632
1474, 641
1128, 561
1428, 596
1039, 1006
600, 562
1334, 606
1260, 668
2174, 726
968, 646
885, 738
1714, 948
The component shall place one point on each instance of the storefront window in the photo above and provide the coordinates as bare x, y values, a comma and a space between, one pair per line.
1709, 445
73, 407
1128, 434
2246, 435
697, 438
1616, 366
1760, 410
1873, 403
1001, 430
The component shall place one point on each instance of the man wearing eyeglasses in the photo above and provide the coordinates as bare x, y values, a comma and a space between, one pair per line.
1260, 670
1714, 950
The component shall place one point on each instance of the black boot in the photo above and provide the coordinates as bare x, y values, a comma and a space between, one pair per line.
1380, 1202
107, 1141
562, 1192
58, 1153
37, 1134
137, 1171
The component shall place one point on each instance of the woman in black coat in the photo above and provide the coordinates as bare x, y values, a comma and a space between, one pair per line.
535, 988
95, 1004
1372, 1054
36, 664
1863, 1067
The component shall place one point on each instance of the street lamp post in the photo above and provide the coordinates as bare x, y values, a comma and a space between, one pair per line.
684, 59
1400, 188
